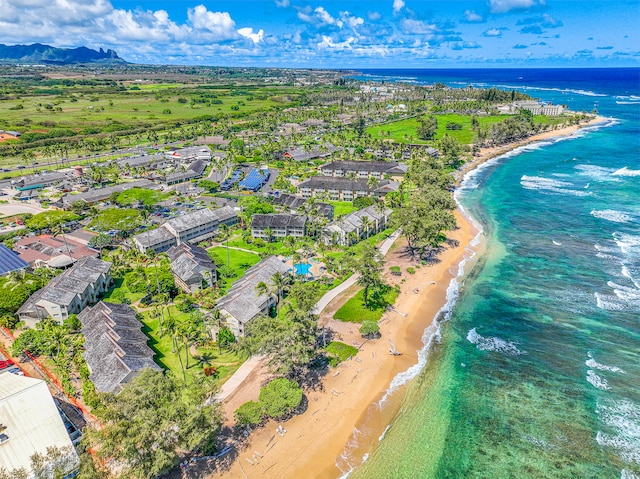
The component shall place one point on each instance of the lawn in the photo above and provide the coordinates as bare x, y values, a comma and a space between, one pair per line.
354, 310
275, 247
239, 262
226, 363
146, 196
339, 352
119, 292
404, 131
341, 208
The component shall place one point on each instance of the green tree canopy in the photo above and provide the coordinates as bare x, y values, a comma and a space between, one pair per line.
280, 397
149, 425
117, 219
427, 126
49, 219
369, 266
252, 205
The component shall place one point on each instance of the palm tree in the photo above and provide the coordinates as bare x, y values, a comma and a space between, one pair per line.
224, 231
58, 230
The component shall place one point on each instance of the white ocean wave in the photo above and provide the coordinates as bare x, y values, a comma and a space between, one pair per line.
628, 244
598, 173
549, 184
596, 381
493, 343
609, 303
628, 97
631, 274
623, 418
612, 215
625, 171
621, 102
627, 474
625, 293
593, 364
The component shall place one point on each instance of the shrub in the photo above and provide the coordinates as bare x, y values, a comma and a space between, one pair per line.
280, 397
363, 202
249, 414
370, 330
411, 270
339, 352
395, 270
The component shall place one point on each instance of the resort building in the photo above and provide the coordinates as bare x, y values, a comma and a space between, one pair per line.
242, 303
68, 293
190, 153
302, 154
356, 226
194, 227
115, 347
194, 170
537, 108
192, 267
93, 196
364, 169
30, 423
344, 189
278, 225
296, 204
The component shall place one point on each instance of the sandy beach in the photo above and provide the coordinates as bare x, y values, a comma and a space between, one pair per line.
315, 439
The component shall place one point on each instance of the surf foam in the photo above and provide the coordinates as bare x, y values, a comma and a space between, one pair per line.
493, 343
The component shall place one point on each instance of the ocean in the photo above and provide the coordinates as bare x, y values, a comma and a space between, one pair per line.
536, 369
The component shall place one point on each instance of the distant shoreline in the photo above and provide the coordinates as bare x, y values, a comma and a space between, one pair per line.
348, 401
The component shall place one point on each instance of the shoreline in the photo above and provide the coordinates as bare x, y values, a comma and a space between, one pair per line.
343, 420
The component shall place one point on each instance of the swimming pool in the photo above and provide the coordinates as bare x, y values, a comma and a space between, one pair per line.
302, 268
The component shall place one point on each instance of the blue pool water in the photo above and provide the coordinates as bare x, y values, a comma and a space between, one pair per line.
302, 268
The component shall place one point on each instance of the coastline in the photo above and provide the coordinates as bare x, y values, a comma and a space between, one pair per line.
343, 417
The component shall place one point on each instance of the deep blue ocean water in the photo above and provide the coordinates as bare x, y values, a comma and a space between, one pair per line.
536, 373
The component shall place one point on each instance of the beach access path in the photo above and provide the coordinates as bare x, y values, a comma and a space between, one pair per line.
236, 380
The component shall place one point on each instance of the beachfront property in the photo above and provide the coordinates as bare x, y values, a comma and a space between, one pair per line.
194, 227
68, 293
364, 169
52, 251
243, 303
10, 261
192, 267
536, 108
116, 349
344, 189
356, 226
267, 226
30, 423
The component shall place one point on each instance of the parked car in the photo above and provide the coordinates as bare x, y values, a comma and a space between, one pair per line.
15, 370
5, 363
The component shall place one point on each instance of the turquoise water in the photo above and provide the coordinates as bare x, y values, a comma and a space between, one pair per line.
302, 268
537, 372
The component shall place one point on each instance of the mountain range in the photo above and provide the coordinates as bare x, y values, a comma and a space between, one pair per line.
46, 54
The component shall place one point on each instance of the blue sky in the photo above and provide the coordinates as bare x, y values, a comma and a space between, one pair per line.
337, 34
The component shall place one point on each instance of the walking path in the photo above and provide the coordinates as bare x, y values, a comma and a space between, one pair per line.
252, 363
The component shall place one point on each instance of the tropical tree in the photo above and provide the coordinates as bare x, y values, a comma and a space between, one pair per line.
369, 266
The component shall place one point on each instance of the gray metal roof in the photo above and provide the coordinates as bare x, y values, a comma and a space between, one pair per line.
370, 166
187, 258
278, 221
153, 237
101, 194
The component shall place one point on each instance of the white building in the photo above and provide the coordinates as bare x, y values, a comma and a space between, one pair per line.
29, 424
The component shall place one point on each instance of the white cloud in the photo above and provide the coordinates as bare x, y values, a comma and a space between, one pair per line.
472, 17
283, 3
327, 42
374, 16
219, 24
504, 6
398, 5
493, 32
411, 26
247, 32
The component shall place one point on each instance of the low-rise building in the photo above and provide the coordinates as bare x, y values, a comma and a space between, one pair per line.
10, 261
30, 423
356, 226
192, 267
39, 180
115, 347
193, 227
267, 226
364, 169
243, 303
295, 204
190, 153
344, 189
96, 195
52, 251
68, 293
303, 154
537, 108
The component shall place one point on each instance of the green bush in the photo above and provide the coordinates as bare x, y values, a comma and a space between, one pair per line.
395, 270
280, 397
339, 352
411, 270
363, 202
249, 414
370, 330
136, 282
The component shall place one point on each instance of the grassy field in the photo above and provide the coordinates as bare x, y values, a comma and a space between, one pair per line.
404, 131
146, 196
239, 262
341, 208
226, 363
354, 310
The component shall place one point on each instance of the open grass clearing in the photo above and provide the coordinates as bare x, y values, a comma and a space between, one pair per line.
354, 310
238, 262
